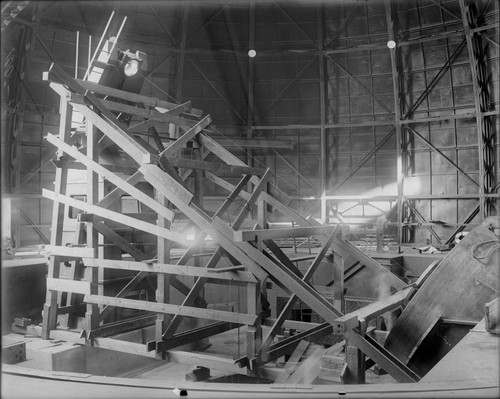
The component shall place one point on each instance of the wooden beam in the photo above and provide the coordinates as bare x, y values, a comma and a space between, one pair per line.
309, 369
124, 95
233, 142
123, 326
111, 177
293, 299
245, 253
172, 309
214, 167
196, 334
231, 159
181, 270
369, 262
366, 313
64, 285
149, 114
271, 234
68, 251
186, 137
116, 216
382, 357
110, 127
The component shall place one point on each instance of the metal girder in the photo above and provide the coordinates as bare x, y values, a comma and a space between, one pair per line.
434, 81
356, 80
485, 135
398, 109
362, 161
294, 22
422, 220
290, 82
435, 149
222, 97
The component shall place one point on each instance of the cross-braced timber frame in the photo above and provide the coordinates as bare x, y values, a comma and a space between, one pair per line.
255, 256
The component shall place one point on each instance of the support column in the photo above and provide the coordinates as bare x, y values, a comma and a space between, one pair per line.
396, 82
485, 139
322, 106
49, 321
254, 333
92, 273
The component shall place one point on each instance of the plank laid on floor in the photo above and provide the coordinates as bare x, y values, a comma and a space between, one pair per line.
293, 361
308, 370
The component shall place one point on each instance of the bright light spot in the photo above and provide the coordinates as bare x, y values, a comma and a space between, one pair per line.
190, 237
252, 53
131, 68
391, 44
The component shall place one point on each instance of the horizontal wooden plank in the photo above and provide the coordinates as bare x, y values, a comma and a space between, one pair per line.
79, 287
173, 309
214, 167
254, 143
116, 216
271, 234
182, 270
68, 252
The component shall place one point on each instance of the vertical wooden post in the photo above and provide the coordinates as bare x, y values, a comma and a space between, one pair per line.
92, 314
254, 333
338, 284
163, 280
49, 321
355, 361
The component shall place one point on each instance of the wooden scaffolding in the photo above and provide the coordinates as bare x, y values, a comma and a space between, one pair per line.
77, 271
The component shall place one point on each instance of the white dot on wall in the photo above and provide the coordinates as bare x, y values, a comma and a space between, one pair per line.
391, 44
252, 53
